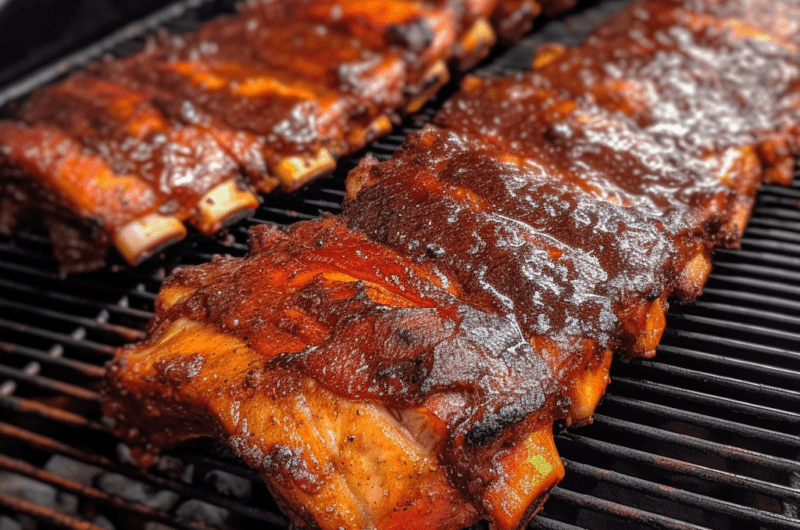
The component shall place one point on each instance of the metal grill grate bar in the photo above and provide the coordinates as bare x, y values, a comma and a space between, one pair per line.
727, 452
86, 369
730, 365
722, 386
47, 383
633, 515
678, 467
722, 405
100, 290
60, 338
126, 333
725, 326
775, 287
706, 421
728, 311
61, 416
770, 520
34, 510
93, 494
50, 296
719, 343
540, 522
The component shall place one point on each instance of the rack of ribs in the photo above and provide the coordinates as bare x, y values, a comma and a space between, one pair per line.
353, 379
605, 154
582, 276
720, 87
476, 284
269, 97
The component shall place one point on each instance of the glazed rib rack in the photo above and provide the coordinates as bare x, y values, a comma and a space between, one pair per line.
715, 417
189, 128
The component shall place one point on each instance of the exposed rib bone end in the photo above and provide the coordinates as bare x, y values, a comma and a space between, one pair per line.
295, 171
361, 136
359, 177
435, 78
741, 211
693, 277
655, 323
778, 160
739, 168
222, 206
526, 474
145, 236
589, 388
476, 44
266, 183
781, 173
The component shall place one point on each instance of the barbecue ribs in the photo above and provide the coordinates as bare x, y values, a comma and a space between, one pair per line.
183, 164
717, 88
270, 96
582, 277
354, 380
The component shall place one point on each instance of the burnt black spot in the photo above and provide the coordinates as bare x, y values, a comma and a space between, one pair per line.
494, 422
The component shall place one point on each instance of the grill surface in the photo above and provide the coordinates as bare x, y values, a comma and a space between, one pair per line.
704, 436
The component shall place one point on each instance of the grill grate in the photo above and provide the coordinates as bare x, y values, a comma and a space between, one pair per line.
704, 436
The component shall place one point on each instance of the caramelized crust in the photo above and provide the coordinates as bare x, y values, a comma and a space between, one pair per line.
424, 31
718, 88
268, 97
589, 148
576, 272
180, 163
314, 52
354, 380
287, 114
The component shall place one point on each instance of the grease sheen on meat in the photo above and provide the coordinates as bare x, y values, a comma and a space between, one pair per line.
269, 96
354, 380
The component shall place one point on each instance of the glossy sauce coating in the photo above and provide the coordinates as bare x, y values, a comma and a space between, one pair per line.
290, 116
422, 31
322, 307
307, 293
81, 180
470, 294
708, 86
123, 127
246, 148
601, 152
564, 263
270, 96
314, 52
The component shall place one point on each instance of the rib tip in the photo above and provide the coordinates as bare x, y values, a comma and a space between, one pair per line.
145, 236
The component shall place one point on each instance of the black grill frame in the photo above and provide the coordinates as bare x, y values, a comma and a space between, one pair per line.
706, 435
